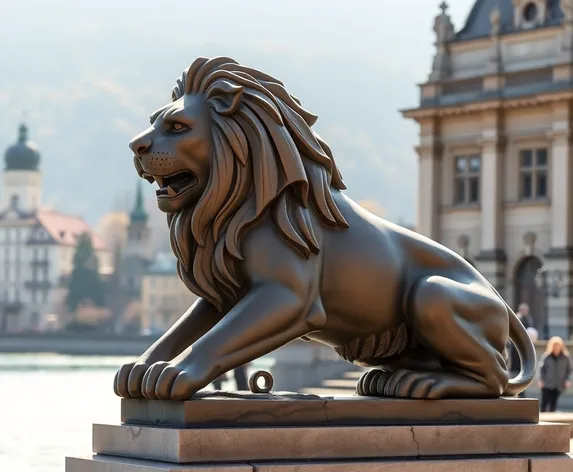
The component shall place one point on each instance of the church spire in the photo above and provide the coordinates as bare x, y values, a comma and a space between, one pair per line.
139, 214
22, 133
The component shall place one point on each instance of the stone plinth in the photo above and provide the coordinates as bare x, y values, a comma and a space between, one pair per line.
288, 409
298, 433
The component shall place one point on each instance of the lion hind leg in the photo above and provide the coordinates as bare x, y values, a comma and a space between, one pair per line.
465, 327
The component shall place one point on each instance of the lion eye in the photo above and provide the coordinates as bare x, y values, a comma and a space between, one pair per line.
177, 127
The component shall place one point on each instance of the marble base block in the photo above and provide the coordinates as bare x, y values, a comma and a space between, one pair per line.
294, 433
197, 445
560, 463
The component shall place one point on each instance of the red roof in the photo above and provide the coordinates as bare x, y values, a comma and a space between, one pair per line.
65, 229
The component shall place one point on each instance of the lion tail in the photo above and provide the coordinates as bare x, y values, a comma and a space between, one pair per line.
526, 351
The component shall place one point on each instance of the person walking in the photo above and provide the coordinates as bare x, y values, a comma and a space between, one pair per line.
555, 369
524, 316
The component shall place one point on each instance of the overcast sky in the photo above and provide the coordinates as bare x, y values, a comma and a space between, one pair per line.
88, 73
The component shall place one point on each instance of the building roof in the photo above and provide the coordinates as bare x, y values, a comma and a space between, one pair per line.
9, 215
139, 214
24, 155
478, 22
65, 229
165, 263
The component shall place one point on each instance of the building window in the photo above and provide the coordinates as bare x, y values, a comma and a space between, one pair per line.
533, 174
467, 181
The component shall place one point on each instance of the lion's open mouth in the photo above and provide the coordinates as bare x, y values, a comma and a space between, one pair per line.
173, 185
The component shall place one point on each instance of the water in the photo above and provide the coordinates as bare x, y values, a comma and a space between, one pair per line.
48, 404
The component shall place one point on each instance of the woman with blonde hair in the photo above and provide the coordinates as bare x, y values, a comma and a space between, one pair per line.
555, 370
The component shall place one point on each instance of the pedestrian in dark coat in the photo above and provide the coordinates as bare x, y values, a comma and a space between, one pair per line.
555, 369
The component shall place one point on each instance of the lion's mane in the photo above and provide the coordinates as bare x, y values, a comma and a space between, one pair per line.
265, 156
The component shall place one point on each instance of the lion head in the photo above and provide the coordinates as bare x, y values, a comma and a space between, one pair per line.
232, 145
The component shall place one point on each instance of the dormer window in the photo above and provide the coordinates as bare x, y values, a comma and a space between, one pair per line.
529, 13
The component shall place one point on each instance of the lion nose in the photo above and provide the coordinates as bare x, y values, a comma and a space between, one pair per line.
140, 145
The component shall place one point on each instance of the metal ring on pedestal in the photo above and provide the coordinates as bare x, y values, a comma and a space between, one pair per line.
254, 384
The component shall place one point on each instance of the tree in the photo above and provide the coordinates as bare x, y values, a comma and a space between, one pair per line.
85, 284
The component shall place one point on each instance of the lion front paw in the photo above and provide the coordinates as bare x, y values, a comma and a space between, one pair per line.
128, 379
166, 381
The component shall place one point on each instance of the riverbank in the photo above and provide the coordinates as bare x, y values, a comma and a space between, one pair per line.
81, 344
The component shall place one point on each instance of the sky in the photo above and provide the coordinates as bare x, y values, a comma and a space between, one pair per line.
87, 74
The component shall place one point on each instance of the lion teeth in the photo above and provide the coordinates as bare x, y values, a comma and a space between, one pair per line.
149, 178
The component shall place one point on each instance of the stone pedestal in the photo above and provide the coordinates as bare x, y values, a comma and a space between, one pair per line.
297, 433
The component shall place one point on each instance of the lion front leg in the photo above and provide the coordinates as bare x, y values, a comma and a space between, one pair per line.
265, 319
193, 324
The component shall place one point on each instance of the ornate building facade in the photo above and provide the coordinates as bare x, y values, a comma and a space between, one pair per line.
495, 151
36, 245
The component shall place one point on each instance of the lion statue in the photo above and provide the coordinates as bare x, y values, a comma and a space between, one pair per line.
276, 251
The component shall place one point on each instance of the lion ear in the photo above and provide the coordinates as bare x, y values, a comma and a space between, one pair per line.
225, 97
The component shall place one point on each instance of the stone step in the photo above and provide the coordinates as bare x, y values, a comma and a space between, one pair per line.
253, 444
541, 463
558, 417
99, 463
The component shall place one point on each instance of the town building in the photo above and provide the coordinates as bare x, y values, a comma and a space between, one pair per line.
495, 150
164, 297
36, 244
133, 253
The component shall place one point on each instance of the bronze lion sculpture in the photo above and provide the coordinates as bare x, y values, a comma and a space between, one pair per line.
265, 237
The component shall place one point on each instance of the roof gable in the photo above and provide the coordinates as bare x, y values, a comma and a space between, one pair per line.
66, 229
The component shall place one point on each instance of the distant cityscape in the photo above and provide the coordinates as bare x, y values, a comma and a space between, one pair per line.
141, 290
